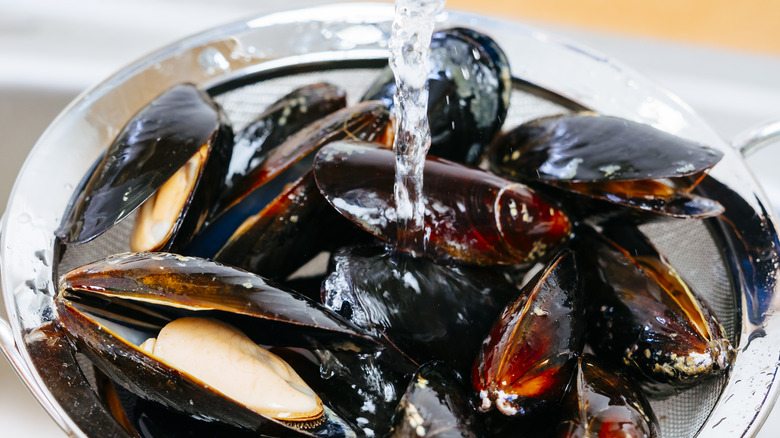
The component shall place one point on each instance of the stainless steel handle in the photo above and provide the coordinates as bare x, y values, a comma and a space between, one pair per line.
752, 140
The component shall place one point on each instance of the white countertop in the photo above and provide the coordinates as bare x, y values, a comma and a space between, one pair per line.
50, 51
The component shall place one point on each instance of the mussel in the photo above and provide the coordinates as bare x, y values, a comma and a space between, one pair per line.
610, 159
109, 307
363, 388
275, 124
170, 160
486, 221
469, 89
56, 363
529, 357
385, 292
603, 403
287, 164
644, 316
436, 404
291, 230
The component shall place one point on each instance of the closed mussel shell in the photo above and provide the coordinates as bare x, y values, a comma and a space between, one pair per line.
488, 221
469, 89
176, 148
609, 159
529, 357
436, 404
291, 230
644, 317
270, 128
385, 292
603, 403
363, 388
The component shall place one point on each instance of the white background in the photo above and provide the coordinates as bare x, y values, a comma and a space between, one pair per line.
51, 50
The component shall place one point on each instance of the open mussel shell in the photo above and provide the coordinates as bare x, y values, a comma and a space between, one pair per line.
529, 357
148, 419
487, 221
611, 159
286, 164
156, 288
644, 317
280, 120
106, 308
181, 133
603, 403
436, 404
385, 292
469, 88
66, 381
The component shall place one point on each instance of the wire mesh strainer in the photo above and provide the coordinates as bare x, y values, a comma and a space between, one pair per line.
246, 66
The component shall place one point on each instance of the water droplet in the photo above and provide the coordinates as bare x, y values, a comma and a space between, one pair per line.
212, 61
25, 218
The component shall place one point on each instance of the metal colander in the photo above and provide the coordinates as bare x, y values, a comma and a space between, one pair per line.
731, 261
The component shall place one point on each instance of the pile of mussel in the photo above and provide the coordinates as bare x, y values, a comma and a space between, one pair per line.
537, 308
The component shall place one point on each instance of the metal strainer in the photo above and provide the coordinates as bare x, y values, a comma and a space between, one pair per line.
732, 260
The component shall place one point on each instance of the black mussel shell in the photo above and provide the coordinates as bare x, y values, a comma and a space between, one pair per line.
287, 233
149, 419
362, 388
436, 404
147, 290
149, 150
106, 308
55, 361
288, 163
275, 124
529, 357
469, 89
429, 311
611, 159
588, 147
644, 317
145, 376
603, 403
487, 221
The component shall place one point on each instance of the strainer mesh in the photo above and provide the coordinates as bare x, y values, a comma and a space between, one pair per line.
687, 244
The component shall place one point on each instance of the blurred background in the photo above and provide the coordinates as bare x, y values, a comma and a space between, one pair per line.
721, 57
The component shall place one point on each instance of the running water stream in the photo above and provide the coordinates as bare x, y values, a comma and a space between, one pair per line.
409, 59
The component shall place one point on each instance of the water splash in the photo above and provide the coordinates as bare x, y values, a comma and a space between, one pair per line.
409, 59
